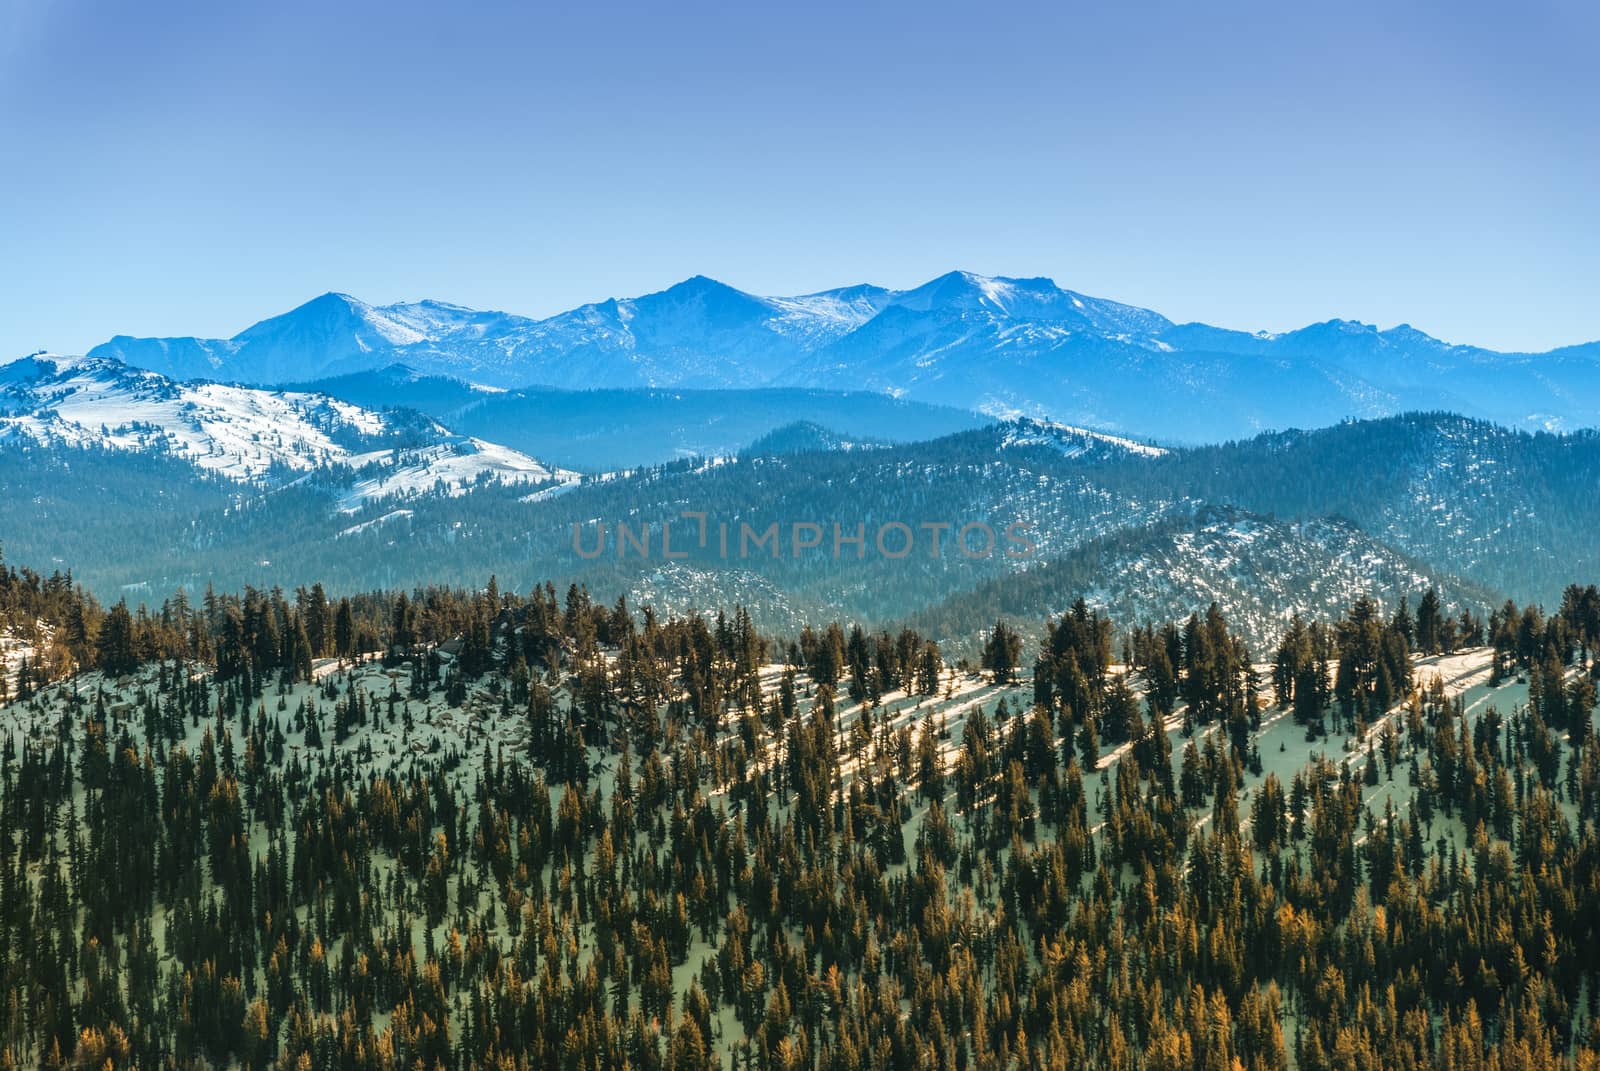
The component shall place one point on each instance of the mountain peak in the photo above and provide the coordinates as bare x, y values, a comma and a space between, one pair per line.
1341, 326
850, 293
1036, 299
330, 303
329, 309
709, 297
37, 357
961, 290
702, 284
41, 365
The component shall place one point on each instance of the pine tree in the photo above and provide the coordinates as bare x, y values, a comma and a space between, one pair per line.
115, 648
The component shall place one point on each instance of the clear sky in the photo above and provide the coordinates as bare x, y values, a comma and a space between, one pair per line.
189, 168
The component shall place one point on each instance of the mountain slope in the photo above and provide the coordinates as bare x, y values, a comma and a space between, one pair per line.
1512, 510
241, 433
1262, 571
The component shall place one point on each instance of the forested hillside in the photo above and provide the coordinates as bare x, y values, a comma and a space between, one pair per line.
1381, 506
1263, 570
1511, 510
486, 829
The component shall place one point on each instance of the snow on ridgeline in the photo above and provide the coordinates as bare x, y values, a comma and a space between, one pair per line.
452, 467
1072, 441
231, 431
247, 434
376, 522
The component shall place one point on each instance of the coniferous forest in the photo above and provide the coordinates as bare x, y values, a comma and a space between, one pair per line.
449, 828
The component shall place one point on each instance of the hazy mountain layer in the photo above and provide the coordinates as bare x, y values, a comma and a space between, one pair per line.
1003, 346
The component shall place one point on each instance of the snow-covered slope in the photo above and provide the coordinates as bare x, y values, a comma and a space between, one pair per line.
244, 433
451, 466
1070, 441
236, 432
1038, 300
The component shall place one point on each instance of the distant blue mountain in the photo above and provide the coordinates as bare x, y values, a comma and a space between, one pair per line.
604, 430
998, 345
806, 437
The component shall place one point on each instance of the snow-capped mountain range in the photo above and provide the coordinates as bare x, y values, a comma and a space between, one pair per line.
998, 345
699, 333
247, 434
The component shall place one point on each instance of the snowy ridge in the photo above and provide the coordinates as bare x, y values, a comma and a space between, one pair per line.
1072, 441
235, 432
452, 467
246, 434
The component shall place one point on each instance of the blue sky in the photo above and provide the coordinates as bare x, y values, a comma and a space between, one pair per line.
172, 168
